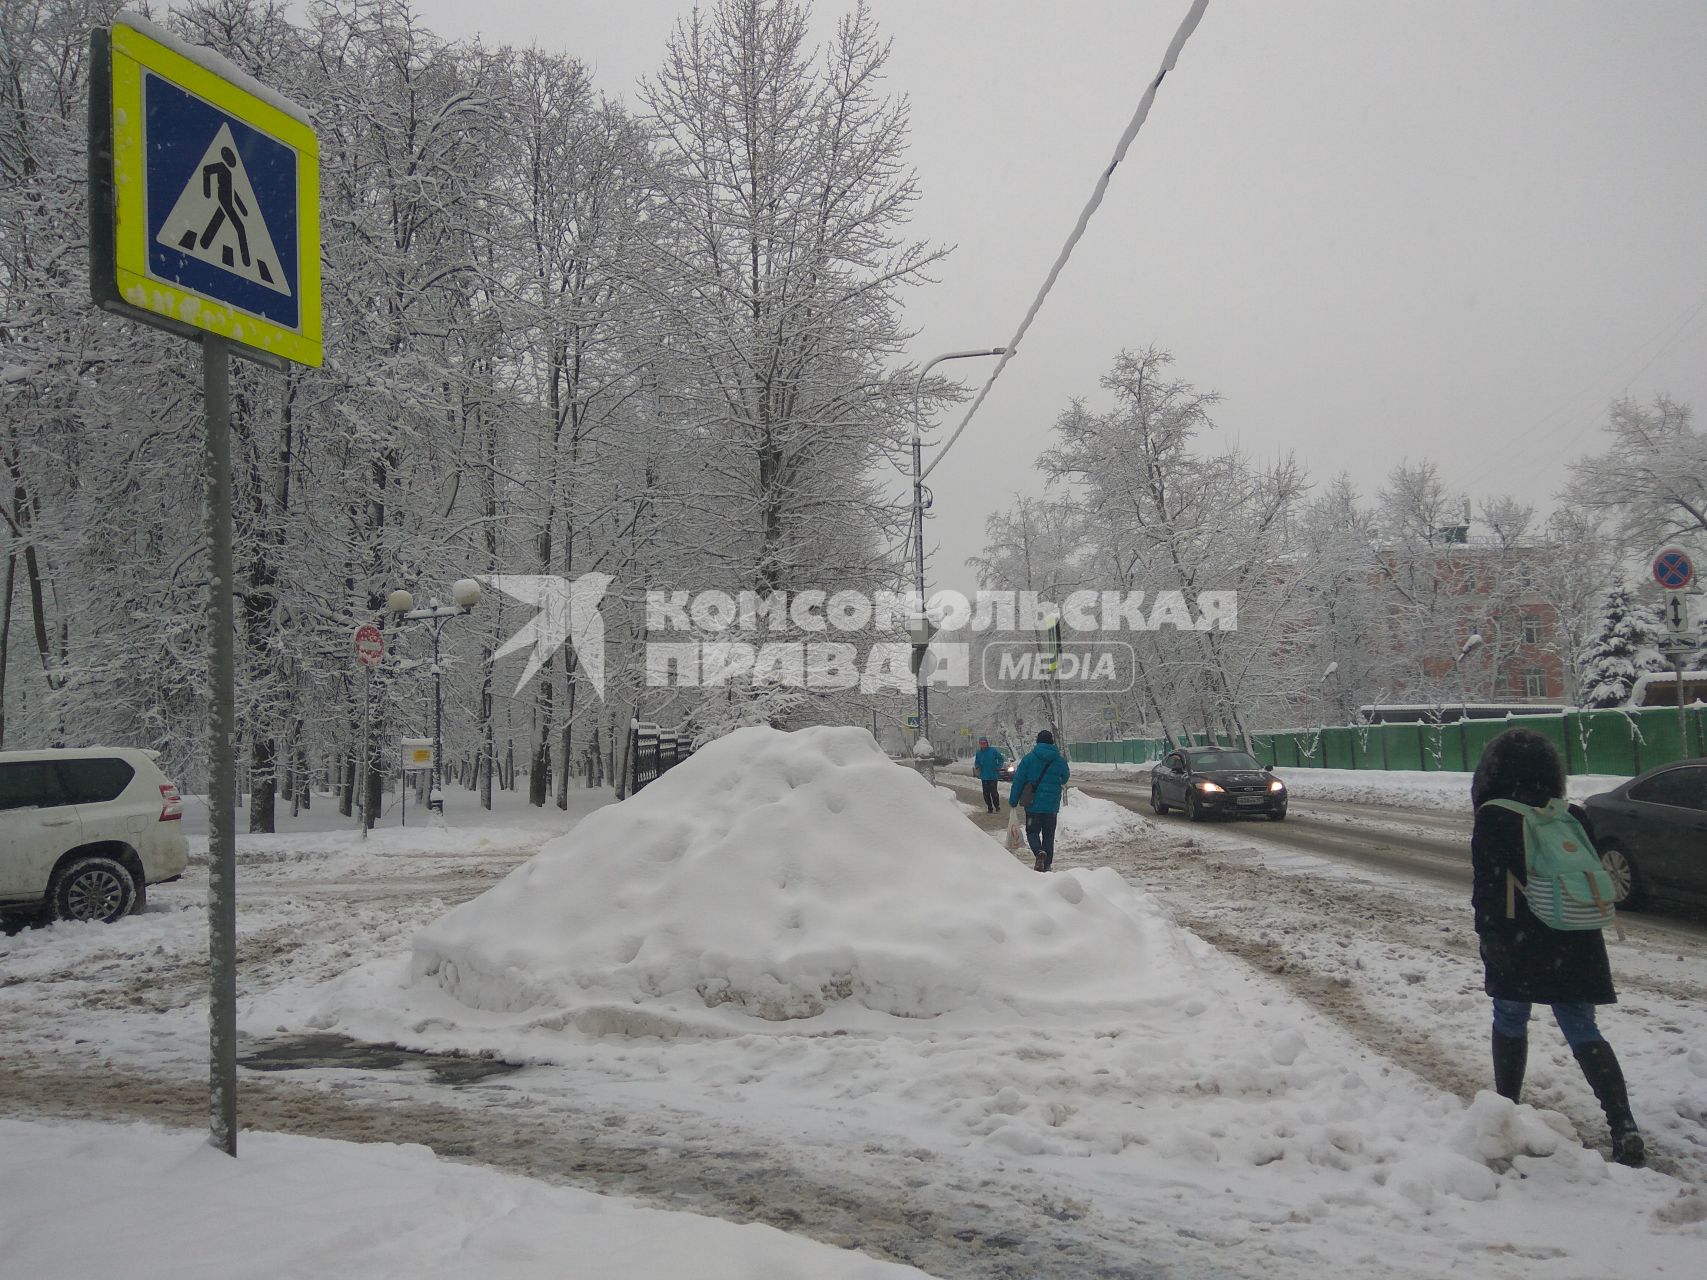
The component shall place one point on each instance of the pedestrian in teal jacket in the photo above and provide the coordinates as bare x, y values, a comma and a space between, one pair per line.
1047, 767
987, 764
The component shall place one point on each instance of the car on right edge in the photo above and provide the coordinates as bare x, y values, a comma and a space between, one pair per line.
1651, 834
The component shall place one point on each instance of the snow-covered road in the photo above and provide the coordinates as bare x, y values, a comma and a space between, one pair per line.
1306, 1116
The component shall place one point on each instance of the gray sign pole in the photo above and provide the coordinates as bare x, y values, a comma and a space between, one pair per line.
125, 139
367, 751
222, 755
1682, 715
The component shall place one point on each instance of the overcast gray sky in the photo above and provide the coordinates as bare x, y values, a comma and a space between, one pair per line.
1382, 230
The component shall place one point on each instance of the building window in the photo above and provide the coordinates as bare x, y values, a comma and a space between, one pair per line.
1532, 631
1535, 684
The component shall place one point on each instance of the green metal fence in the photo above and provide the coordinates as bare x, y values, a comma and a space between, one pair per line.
1614, 742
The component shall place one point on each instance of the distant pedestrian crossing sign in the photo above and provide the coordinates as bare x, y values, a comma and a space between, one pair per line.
204, 197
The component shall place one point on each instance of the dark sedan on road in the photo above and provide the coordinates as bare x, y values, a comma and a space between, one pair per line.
1207, 781
1652, 834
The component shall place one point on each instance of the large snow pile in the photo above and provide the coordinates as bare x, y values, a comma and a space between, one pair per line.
780, 875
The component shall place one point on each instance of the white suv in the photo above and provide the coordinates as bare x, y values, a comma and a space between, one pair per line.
84, 832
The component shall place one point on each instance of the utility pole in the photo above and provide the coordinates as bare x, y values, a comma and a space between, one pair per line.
920, 635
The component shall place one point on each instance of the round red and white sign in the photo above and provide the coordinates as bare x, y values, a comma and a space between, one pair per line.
370, 645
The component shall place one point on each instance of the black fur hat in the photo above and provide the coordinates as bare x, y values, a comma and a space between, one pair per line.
1043, 735
1518, 765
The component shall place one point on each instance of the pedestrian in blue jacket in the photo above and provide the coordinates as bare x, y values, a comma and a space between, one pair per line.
1045, 770
987, 764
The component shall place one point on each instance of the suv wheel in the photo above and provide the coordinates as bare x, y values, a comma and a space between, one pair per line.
93, 888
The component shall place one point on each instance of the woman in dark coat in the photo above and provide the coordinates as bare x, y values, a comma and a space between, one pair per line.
1526, 962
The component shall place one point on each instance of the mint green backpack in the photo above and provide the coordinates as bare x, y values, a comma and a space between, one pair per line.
1564, 882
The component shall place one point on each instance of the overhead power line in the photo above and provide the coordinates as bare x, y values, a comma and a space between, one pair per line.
1579, 418
1168, 59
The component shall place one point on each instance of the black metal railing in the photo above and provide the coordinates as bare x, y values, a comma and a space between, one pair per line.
654, 752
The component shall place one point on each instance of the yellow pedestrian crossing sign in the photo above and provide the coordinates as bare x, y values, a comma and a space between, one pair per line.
204, 208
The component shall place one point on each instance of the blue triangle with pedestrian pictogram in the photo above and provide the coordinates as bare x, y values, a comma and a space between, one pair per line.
218, 220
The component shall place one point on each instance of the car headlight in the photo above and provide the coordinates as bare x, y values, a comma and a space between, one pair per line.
1275, 784
1209, 786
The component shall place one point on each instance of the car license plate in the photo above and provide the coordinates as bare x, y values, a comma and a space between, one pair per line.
1252, 800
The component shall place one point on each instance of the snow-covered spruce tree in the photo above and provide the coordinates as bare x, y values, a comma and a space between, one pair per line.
1611, 662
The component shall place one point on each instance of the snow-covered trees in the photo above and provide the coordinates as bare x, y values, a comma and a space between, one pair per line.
1141, 507
780, 243
1652, 480
1341, 602
1611, 662
561, 338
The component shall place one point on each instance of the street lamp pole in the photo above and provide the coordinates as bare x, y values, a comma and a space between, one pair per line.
1322, 712
466, 593
923, 695
1471, 642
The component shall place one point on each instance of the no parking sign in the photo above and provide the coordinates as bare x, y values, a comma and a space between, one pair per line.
1673, 569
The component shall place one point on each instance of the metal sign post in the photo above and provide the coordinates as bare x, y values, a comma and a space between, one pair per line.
1674, 570
222, 757
1677, 644
419, 756
203, 221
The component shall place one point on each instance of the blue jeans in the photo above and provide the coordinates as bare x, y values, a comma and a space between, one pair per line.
1511, 1019
1040, 835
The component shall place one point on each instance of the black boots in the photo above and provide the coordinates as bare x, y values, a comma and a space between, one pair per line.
1601, 1070
1511, 1055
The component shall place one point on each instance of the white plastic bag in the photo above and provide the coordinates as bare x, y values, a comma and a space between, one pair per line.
1016, 829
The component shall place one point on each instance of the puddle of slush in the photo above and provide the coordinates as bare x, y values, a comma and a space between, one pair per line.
321, 1051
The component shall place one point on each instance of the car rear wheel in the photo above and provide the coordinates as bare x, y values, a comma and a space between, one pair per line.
1156, 799
93, 888
1625, 882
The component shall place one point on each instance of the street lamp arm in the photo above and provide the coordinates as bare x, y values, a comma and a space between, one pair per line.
919, 382
921, 651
